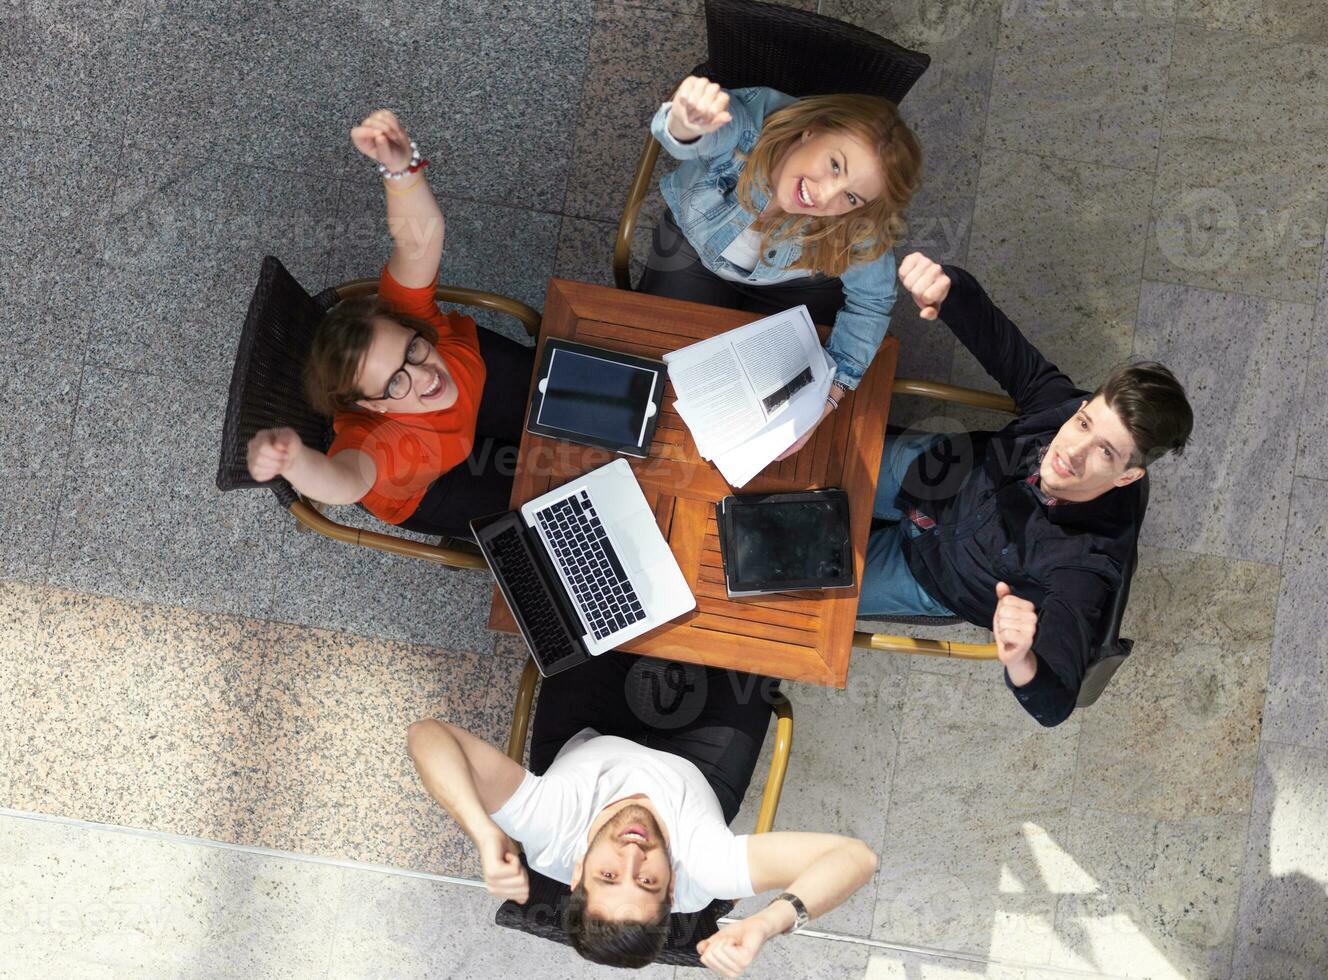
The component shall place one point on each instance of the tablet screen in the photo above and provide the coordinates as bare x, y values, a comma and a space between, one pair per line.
597, 397
803, 541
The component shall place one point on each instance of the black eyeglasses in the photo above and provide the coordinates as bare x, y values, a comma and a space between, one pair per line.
398, 386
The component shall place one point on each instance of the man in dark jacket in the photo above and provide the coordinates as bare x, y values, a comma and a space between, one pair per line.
1025, 529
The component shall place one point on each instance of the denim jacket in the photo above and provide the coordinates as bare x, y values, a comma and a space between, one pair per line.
702, 194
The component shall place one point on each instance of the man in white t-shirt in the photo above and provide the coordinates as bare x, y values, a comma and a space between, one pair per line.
638, 767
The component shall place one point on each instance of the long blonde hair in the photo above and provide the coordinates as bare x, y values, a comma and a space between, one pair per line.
831, 244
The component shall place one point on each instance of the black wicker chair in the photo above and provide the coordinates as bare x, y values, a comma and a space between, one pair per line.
794, 51
1109, 650
542, 913
267, 390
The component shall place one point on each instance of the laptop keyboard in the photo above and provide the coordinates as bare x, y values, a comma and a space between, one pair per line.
550, 641
582, 549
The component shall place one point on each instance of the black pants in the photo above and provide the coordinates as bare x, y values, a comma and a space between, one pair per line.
714, 718
482, 483
675, 270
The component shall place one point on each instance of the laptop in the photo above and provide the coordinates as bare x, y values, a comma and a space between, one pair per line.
584, 568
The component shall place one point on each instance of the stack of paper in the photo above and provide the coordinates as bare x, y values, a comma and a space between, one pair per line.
749, 394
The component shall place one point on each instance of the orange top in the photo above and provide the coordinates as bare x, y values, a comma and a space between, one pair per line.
411, 451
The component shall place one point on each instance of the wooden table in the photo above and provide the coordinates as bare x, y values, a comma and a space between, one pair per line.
805, 636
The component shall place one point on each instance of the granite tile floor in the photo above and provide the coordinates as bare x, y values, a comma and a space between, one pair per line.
1126, 178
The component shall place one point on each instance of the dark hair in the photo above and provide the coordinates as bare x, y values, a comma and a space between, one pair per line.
612, 943
337, 352
1152, 406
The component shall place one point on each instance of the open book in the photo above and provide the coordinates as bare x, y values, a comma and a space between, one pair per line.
749, 394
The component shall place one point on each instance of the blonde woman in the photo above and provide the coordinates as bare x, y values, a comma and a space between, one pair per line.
782, 201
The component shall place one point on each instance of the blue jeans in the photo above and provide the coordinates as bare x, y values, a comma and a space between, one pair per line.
888, 586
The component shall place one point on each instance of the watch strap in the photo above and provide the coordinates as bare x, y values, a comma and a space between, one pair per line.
799, 910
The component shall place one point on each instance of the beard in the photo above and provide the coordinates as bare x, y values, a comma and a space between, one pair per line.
631, 814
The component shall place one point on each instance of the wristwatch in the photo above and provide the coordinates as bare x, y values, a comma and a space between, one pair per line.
799, 910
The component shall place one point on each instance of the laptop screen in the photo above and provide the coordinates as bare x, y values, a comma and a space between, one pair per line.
597, 397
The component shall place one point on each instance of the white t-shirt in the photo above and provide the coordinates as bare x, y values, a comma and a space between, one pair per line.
744, 252
551, 814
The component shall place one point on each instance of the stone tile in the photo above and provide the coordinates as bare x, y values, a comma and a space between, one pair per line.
1297, 707
99, 904
947, 108
1242, 189
1056, 244
840, 738
964, 837
1081, 83
256, 85
1297, 20
331, 584
585, 251
65, 62
1241, 360
34, 444
20, 608
637, 58
510, 646
490, 91
1146, 898
899, 965
697, 7
926, 25
1175, 735
144, 716
140, 517
183, 244
1312, 455
1284, 894
331, 772
504, 250
397, 927
804, 957
57, 196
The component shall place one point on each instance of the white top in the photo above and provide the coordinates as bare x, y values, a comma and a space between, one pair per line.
551, 815
745, 252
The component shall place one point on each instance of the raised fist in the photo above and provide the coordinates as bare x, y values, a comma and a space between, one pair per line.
271, 451
927, 281
382, 139
699, 106
1014, 625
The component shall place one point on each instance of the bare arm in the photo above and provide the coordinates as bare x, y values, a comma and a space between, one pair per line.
413, 217
341, 479
822, 870
471, 779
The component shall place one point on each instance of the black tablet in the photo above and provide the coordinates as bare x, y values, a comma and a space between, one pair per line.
597, 397
784, 542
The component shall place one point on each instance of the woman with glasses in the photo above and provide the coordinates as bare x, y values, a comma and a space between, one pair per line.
427, 409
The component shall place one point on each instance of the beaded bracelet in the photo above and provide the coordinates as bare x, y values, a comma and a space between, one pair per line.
415, 164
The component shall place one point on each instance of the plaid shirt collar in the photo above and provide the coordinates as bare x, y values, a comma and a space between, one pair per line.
1033, 480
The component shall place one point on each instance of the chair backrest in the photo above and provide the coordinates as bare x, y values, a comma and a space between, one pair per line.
542, 916
802, 53
267, 384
